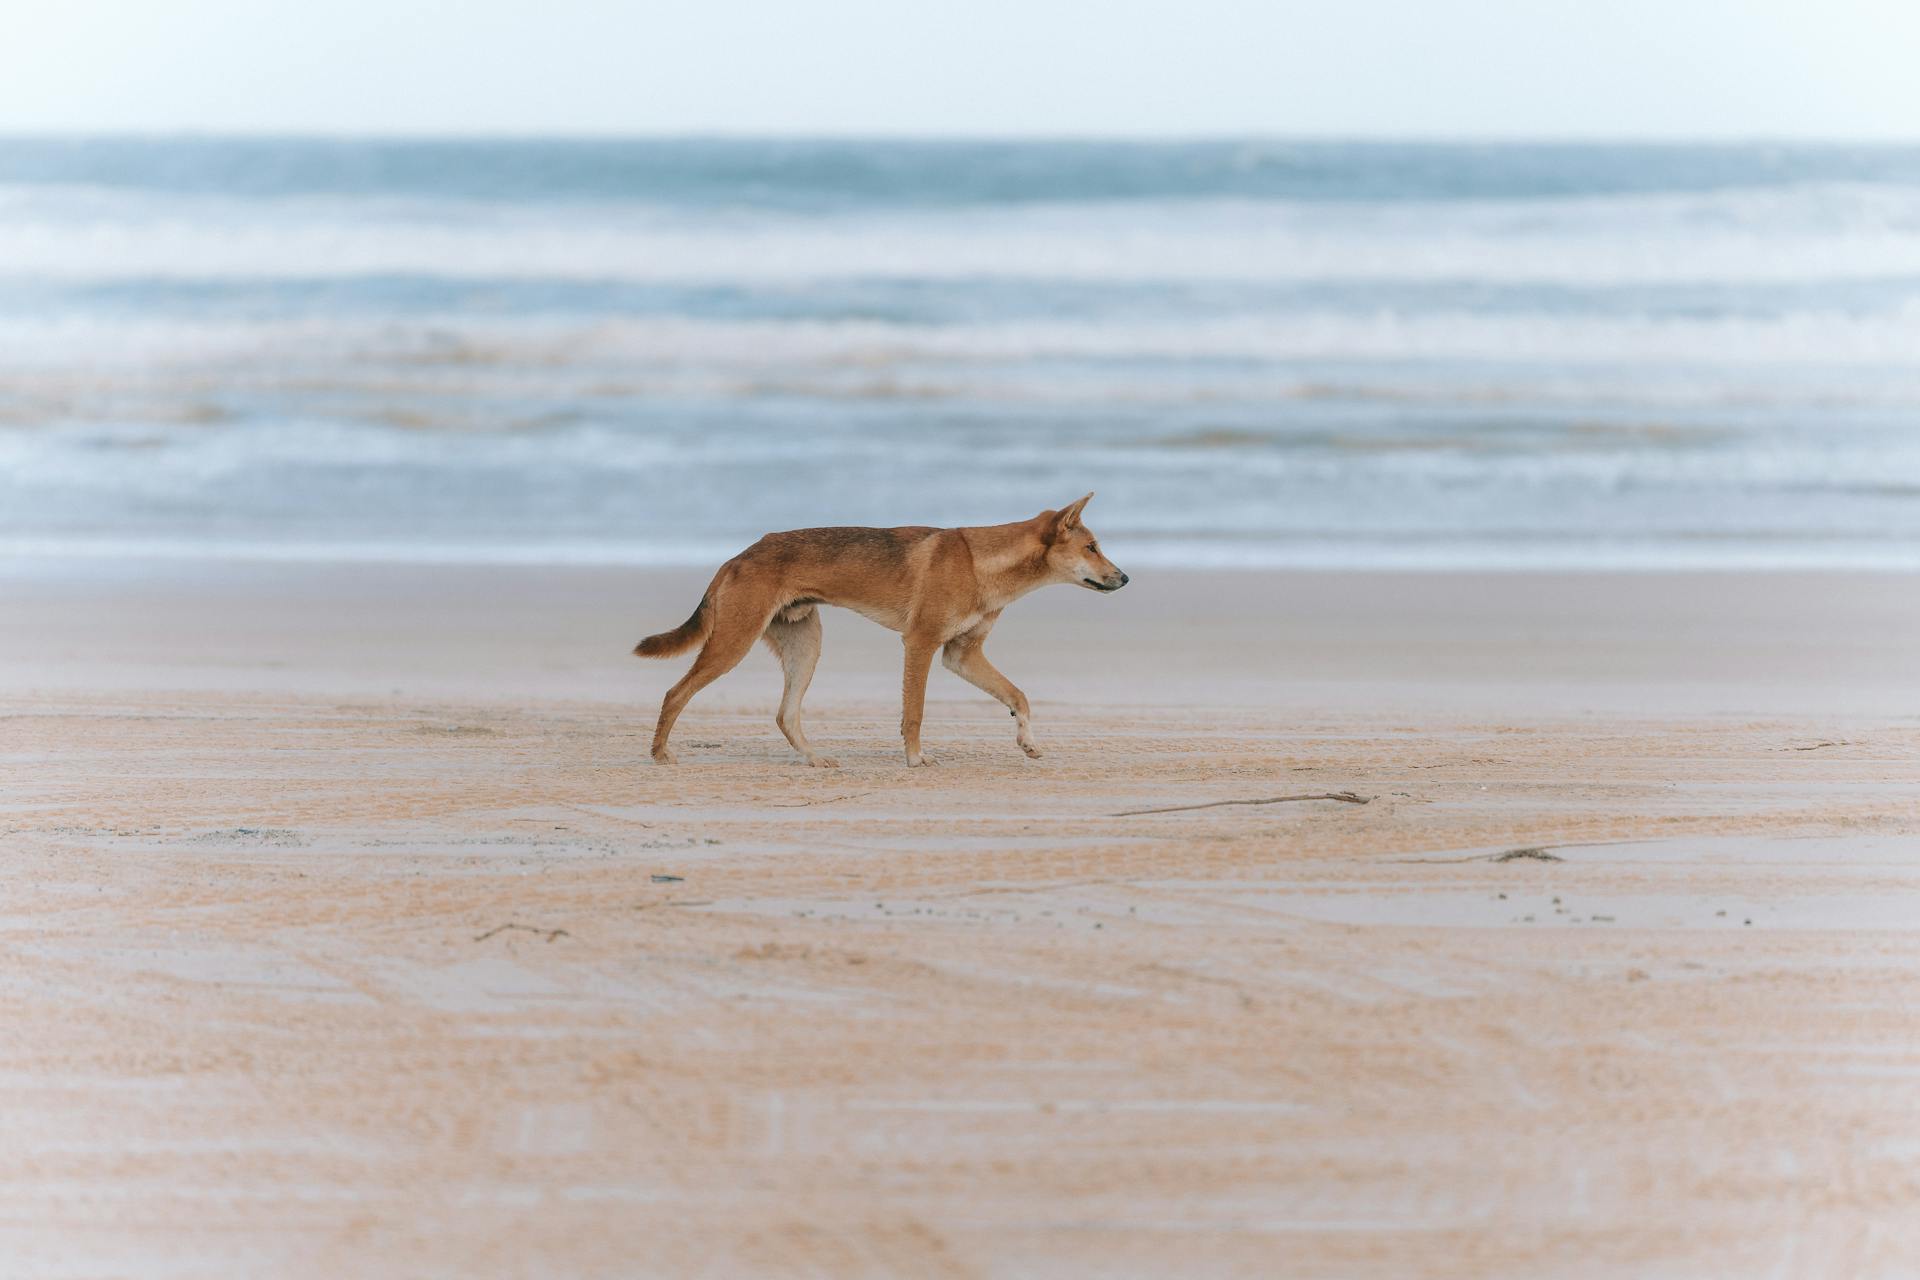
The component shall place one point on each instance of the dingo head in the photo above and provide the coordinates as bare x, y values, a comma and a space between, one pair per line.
1073, 553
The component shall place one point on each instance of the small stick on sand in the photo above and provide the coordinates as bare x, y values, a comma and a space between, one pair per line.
829, 800
1345, 797
1532, 852
550, 934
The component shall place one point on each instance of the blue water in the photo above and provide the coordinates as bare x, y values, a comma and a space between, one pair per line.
1257, 352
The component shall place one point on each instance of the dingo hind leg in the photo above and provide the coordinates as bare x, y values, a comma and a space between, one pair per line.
736, 625
794, 637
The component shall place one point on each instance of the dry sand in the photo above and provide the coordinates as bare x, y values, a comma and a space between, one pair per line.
347, 931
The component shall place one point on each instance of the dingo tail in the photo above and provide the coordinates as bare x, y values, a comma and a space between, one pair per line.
682, 638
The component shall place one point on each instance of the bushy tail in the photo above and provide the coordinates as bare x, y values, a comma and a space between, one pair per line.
682, 638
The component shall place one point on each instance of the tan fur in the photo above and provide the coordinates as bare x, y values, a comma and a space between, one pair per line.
941, 589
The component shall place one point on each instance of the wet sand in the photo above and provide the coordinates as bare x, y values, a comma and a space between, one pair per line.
348, 931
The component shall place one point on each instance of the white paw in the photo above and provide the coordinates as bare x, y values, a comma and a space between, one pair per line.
1033, 752
664, 756
823, 762
921, 761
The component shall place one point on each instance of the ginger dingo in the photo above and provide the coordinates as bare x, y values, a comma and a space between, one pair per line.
939, 588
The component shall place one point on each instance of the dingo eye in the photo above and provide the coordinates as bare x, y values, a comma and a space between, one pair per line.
1094, 547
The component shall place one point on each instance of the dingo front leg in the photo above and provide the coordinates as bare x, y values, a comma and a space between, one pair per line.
966, 657
913, 695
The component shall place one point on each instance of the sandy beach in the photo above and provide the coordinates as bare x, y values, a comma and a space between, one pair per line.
347, 930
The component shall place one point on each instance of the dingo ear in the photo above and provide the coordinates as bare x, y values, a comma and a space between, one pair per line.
1069, 517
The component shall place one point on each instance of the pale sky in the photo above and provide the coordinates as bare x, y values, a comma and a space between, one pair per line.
1350, 68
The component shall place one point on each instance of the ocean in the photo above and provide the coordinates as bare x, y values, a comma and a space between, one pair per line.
1258, 353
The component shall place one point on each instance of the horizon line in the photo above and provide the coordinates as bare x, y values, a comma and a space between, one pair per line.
1195, 138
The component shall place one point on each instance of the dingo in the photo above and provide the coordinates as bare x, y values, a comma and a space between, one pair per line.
939, 588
